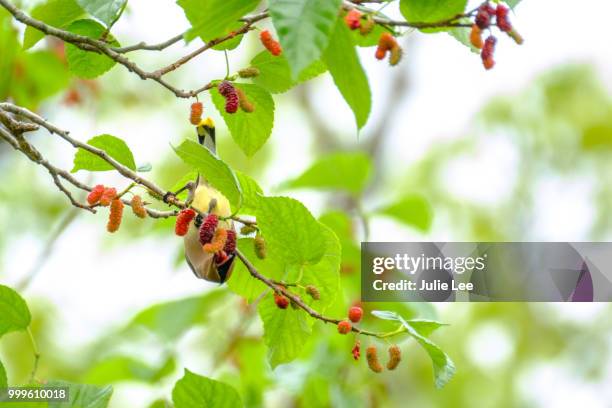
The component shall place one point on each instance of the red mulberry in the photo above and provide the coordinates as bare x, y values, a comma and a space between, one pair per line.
207, 229
108, 195
395, 356
95, 195
116, 214
476, 37
220, 257
356, 351
230, 243
487, 52
372, 357
270, 43
227, 90
183, 220
353, 19
281, 301
344, 327
503, 22
195, 116
355, 313
138, 207
483, 17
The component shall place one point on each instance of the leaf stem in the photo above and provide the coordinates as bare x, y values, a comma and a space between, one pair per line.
36, 354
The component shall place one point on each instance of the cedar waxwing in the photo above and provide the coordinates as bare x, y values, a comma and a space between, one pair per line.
206, 199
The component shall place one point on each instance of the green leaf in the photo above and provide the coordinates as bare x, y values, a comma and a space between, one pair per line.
337, 171
242, 283
249, 130
125, 368
213, 18
512, 3
113, 146
251, 192
213, 169
275, 74
346, 70
304, 28
413, 210
3, 378
82, 395
425, 327
56, 13
171, 319
431, 11
88, 64
285, 331
290, 231
106, 11
231, 43
369, 40
14, 312
194, 390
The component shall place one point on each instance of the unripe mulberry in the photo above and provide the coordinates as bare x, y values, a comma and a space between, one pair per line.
516, 37
355, 313
313, 292
249, 72
108, 195
344, 327
356, 351
503, 22
196, 113
138, 207
96, 193
227, 90
217, 243
395, 356
487, 52
483, 17
247, 229
372, 358
281, 301
396, 55
245, 104
476, 37
207, 229
270, 43
183, 219
115, 216
386, 42
230, 243
260, 247
353, 19
367, 26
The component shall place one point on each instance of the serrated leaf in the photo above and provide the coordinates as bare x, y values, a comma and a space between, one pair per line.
275, 74
171, 319
285, 331
113, 146
213, 18
3, 378
82, 395
194, 390
56, 13
337, 171
348, 74
431, 11
88, 64
412, 210
14, 312
249, 130
251, 192
104, 10
213, 169
242, 283
304, 28
291, 232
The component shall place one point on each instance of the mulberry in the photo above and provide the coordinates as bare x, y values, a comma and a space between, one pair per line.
247, 229
353, 19
281, 301
367, 26
355, 313
386, 42
372, 357
396, 55
487, 52
245, 104
395, 356
108, 195
96, 193
476, 37
182, 221
227, 90
138, 207
116, 214
503, 22
207, 229
220, 257
260, 247
230, 243
483, 16
196, 113
356, 351
250, 72
218, 241
516, 37
270, 43
344, 327
313, 292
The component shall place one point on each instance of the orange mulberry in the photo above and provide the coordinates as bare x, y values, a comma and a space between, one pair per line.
95, 195
138, 207
218, 241
395, 356
372, 358
116, 214
353, 19
182, 221
270, 43
108, 195
476, 37
195, 116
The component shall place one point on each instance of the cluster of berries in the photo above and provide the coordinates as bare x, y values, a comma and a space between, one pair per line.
234, 98
486, 16
282, 301
270, 43
354, 20
395, 356
107, 196
355, 314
